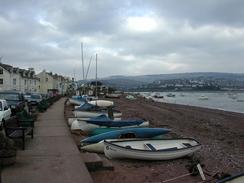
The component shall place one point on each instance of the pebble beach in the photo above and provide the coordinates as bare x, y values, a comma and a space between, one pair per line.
221, 134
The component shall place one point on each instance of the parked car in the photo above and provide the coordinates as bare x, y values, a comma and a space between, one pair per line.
5, 111
27, 96
15, 100
35, 99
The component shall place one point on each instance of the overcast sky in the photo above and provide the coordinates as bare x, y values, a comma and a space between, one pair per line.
131, 37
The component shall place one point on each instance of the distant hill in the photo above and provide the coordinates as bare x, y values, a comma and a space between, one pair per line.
128, 82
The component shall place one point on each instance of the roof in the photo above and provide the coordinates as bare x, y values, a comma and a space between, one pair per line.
6, 67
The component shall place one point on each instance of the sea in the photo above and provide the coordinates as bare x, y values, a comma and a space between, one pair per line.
227, 101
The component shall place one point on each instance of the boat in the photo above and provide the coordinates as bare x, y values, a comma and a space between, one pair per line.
157, 95
237, 178
89, 125
203, 97
99, 103
170, 95
71, 120
130, 97
99, 147
113, 95
79, 100
88, 110
240, 100
97, 131
151, 149
102, 103
91, 114
126, 133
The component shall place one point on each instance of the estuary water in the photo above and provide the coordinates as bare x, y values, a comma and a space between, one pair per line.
217, 100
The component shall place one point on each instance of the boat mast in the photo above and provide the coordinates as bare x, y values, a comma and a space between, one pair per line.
96, 75
82, 59
83, 72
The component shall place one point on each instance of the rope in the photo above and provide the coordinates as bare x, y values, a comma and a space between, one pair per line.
184, 175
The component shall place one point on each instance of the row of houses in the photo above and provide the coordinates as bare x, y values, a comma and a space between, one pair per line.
27, 81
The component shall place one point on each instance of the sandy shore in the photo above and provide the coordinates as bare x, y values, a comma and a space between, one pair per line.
220, 133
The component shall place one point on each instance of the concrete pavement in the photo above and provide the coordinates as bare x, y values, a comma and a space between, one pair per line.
52, 156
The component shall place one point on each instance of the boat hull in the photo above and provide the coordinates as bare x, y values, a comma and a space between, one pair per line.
90, 114
114, 150
71, 120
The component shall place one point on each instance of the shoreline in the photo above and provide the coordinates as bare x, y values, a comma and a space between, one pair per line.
202, 108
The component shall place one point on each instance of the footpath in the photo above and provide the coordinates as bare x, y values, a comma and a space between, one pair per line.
52, 156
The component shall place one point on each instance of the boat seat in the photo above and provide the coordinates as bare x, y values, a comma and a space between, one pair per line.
150, 147
168, 149
187, 144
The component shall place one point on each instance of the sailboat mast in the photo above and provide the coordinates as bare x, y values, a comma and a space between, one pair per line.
96, 75
82, 59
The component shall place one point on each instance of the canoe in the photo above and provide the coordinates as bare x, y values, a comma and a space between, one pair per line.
87, 126
98, 131
103, 120
156, 149
126, 133
71, 120
238, 178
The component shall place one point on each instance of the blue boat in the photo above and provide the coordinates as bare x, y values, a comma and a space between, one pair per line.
126, 133
78, 100
103, 120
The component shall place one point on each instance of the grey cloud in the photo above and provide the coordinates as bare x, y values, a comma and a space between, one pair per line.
197, 36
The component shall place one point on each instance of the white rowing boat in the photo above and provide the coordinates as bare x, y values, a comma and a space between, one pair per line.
156, 149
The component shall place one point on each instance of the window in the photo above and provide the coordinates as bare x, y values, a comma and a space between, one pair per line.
25, 82
30, 81
46, 79
1, 71
14, 81
1, 81
35, 82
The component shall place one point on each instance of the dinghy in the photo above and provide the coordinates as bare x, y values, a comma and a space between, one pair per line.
88, 126
156, 149
126, 133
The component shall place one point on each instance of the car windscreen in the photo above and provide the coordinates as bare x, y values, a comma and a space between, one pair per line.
9, 96
35, 96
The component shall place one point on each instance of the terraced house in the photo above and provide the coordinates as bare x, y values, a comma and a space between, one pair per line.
14, 78
53, 82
